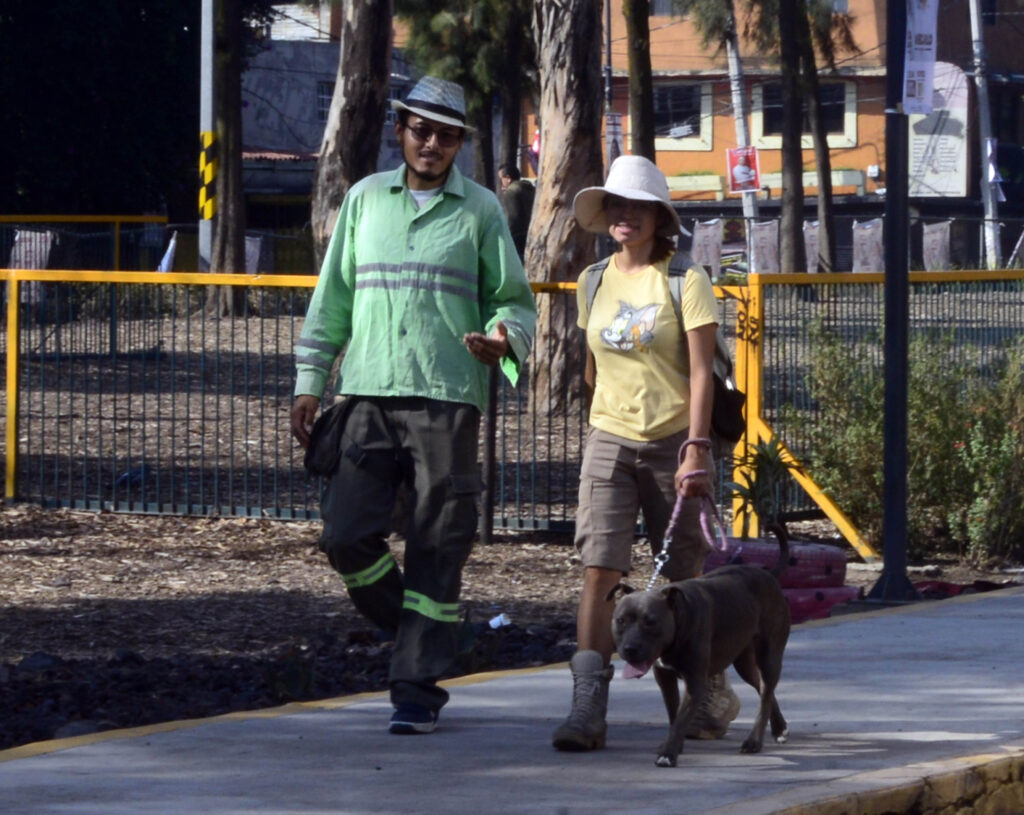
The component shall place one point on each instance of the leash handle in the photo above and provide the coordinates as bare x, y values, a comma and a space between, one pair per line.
710, 520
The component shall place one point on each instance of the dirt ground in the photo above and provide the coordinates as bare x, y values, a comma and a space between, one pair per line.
111, 620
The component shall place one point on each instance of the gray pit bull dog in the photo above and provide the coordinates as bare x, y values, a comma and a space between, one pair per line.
693, 629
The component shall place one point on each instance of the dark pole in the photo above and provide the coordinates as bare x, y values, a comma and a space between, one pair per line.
489, 462
893, 585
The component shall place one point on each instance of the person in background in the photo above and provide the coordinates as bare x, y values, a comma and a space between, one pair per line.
422, 289
649, 383
517, 196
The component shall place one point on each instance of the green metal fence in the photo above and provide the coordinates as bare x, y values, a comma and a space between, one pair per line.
126, 395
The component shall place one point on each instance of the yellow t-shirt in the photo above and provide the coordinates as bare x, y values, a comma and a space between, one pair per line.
641, 391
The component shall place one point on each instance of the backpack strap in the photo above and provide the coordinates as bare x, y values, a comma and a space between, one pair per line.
591, 278
678, 267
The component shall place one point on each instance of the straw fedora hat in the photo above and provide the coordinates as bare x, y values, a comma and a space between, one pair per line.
632, 177
438, 100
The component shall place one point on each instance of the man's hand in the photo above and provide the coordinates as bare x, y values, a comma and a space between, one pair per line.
303, 415
489, 350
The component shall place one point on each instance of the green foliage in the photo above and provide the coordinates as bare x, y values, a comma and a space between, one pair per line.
991, 460
464, 41
965, 443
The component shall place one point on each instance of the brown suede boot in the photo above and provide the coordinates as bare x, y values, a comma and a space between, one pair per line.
719, 709
585, 727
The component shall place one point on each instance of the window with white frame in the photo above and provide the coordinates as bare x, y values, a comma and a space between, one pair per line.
838, 112
662, 8
324, 94
682, 116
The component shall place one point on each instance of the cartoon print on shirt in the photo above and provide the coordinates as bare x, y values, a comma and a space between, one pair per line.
631, 328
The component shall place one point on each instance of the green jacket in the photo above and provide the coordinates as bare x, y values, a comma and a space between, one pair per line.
400, 286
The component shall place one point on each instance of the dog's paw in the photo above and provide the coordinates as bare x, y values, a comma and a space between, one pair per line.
782, 737
751, 746
665, 761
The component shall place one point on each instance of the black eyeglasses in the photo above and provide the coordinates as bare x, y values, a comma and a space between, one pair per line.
445, 138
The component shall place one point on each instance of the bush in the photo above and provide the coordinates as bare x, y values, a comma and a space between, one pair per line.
965, 443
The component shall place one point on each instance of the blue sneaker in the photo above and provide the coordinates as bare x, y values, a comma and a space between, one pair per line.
410, 719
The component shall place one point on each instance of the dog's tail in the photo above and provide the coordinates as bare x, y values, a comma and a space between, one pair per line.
779, 530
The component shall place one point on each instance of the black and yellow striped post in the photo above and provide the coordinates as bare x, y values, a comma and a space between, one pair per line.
208, 175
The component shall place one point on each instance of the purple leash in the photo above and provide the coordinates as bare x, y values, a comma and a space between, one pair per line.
710, 520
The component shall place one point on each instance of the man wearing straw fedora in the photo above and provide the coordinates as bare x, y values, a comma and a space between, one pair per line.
423, 290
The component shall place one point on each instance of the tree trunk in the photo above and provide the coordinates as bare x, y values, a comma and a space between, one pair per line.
822, 159
228, 250
512, 89
641, 87
352, 134
483, 143
792, 256
568, 36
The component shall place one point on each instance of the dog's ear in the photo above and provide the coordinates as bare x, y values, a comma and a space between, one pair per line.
625, 588
674, 597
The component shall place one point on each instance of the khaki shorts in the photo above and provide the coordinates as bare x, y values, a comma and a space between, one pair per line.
619, 478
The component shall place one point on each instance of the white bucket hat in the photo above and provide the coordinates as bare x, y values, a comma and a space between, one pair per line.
633, 177
438, 100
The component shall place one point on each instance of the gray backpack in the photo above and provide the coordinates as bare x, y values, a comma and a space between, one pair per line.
727, 422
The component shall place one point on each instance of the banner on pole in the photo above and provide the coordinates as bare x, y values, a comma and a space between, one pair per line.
919, 67
935, 246
764, 246
706, 249
868, 251
811, 245
613, 135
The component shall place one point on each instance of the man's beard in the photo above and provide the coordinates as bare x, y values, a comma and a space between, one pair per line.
428, 176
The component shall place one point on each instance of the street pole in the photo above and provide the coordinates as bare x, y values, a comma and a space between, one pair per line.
608, 56
988, 192
739, 106
207, 137
893, 585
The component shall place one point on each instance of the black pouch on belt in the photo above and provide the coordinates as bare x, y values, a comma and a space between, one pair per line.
324, 449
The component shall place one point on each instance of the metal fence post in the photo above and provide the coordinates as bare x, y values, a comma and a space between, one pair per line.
13, 349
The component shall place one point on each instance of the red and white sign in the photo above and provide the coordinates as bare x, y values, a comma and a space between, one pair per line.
743, 170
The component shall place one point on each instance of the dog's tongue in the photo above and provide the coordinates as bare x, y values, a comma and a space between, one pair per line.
631, 671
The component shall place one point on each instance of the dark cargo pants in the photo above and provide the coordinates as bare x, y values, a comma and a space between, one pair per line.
431, 447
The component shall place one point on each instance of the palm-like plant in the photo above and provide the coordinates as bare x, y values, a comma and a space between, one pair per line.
763, 468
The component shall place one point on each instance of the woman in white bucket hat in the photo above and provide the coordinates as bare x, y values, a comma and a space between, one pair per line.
649, 378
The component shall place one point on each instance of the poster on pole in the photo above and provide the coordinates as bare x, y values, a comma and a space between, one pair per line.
613, 135
868, 251
743, 169
764, 246
706, 249
935, 246
919, 68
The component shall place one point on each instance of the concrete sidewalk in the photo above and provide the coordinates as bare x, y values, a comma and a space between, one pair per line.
900, 708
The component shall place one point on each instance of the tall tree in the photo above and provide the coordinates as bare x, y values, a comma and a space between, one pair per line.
518, 78
641, 86
810, 29
716, 22
358, 107
568, 36
468, 41
792, 256
236, 25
